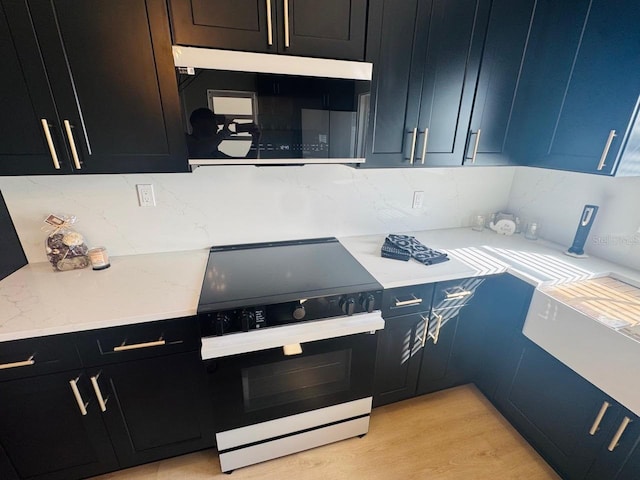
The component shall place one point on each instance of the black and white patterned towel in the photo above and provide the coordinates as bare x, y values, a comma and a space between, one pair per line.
403, 247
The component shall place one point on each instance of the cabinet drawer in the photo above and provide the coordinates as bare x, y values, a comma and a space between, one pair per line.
132, 342
406, 300
37, 356
455, 293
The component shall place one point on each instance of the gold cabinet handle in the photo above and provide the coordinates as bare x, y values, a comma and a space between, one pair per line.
52, 148
596, 423
76, 393
456, 292
436, 335
475, 146
135, 346
269, 24
605, 152
23, 363
412, 157
405, 303
286, 23
616, 438
96, 388
424, 145
426, 329
72, 145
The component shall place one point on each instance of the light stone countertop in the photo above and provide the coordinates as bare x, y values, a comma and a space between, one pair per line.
35, 301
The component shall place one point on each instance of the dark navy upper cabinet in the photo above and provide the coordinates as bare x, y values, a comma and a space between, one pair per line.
328, 29
579, 98
108, 69
443, 95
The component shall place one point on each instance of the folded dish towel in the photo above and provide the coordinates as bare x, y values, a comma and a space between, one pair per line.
404, 247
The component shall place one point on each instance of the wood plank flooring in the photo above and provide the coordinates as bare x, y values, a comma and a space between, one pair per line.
453, 434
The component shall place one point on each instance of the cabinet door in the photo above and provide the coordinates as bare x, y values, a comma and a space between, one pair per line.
454, 36
11, 254
45, 435
330, 29
555, 409
618, 460
111, 70
227, 24
578, 83
502, 58
155, 408
24, 103
398, 358
394, 106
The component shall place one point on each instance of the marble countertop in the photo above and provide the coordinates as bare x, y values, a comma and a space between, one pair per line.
35, 301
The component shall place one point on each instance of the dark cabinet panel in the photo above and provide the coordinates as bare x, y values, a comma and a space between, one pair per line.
227, 24
579, 106
44, 433
631, 467
455, 38
390, 43
330, 29
500, 72
555, 409
24, 103
398, 358
11, 254
114, 88
156, 408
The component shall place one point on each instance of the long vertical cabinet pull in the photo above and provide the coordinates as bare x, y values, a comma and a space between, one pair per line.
426, 329
269, 24
412, 157
52, 148
424, 145
605, 152
436, 335
76, 393
616, 438
72, 145
475, 146
596, 423
286, 23
96, 388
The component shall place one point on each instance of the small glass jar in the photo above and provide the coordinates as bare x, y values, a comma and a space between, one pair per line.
478, 223
531, 233
99, 258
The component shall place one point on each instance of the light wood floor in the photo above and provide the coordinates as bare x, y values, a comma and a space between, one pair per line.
453, 434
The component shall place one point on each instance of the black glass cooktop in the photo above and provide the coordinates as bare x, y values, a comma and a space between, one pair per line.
268, 273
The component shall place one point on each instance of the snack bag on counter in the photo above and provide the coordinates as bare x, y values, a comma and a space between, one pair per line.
66, 249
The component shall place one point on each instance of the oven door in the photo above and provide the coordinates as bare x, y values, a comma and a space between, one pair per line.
265, 385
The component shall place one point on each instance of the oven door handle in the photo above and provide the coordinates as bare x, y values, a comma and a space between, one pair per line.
264, 339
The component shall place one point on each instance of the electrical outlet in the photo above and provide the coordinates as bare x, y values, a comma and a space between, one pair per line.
146, 197
418, 199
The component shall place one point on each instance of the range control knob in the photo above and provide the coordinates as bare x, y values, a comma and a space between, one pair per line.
247, 320
221, 324
348, 305
368, 302
299, 312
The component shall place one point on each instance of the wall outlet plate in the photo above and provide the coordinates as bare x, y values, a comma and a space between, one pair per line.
146, 197
418, 199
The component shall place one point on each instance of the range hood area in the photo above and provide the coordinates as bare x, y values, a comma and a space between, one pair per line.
242, 108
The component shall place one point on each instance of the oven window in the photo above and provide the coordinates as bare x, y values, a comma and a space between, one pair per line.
296, 379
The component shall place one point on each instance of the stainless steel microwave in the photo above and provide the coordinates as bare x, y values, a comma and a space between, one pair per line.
264, 109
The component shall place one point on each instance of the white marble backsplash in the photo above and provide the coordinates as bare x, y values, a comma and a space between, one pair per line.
555, 200
233, 204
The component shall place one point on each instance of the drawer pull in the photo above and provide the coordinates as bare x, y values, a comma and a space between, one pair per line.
426, 329
436, 335
136, 346
616, 438
456, 292
596, 423
96, 388
23, 363
76, 393
406, 303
